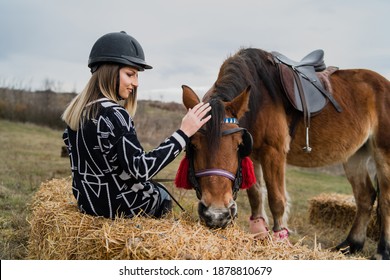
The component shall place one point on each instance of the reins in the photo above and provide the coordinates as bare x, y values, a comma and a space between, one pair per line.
165, 189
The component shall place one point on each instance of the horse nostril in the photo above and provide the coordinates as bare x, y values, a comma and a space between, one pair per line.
233, 212
202, 208
233, 209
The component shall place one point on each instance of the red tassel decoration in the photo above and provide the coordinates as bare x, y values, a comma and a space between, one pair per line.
181, 180
248, 173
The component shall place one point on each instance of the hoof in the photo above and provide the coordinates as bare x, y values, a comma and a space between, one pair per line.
349, 247
281, 236
377, 257
383, 252
380, 256
258, 227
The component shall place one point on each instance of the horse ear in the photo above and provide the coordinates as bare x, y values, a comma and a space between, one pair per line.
190, 99
239, 105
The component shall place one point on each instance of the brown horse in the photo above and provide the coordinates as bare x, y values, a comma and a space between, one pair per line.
249, 89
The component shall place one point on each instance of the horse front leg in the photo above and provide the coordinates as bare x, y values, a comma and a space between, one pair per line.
273, 164
256, 195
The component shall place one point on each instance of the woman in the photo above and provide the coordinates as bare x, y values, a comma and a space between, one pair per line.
110, 170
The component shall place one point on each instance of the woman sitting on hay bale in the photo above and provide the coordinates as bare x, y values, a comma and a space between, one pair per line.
111, 173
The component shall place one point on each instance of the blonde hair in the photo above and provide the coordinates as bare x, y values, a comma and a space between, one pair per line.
103, 83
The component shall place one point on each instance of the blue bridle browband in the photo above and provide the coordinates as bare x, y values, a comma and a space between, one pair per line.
230, 120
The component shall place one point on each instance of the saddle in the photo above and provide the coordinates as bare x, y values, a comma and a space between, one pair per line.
303, 87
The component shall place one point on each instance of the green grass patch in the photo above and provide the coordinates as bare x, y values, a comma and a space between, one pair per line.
303, 184
29, 155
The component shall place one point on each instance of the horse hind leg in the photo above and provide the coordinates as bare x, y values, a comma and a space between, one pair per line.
356, 170
382, 159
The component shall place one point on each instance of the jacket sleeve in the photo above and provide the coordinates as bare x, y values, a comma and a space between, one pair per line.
140, 165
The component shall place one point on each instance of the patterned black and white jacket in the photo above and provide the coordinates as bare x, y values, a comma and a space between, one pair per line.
111, 172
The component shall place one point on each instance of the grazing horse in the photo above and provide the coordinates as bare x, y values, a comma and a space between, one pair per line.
249, 89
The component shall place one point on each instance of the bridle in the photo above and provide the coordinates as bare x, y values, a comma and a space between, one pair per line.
243, 151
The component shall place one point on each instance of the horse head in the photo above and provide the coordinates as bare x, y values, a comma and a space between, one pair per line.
217, 158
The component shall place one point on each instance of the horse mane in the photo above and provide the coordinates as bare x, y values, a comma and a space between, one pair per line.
248, 67
213, 126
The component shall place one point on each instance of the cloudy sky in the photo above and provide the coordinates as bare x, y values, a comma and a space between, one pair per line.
48, 42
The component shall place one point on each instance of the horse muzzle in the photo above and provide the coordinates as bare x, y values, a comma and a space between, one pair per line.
215, 217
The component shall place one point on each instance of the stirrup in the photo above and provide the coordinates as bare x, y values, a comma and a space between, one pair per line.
307, 149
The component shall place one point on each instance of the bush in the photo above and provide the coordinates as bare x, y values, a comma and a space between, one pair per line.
154, 120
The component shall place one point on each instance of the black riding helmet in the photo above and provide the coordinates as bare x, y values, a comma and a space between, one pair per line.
117, 47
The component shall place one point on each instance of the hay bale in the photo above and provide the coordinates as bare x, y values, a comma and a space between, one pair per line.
338, 210
60, 231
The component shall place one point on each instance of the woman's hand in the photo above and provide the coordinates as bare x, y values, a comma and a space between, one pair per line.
194, 119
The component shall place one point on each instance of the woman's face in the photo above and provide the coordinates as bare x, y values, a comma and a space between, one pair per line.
128, 81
